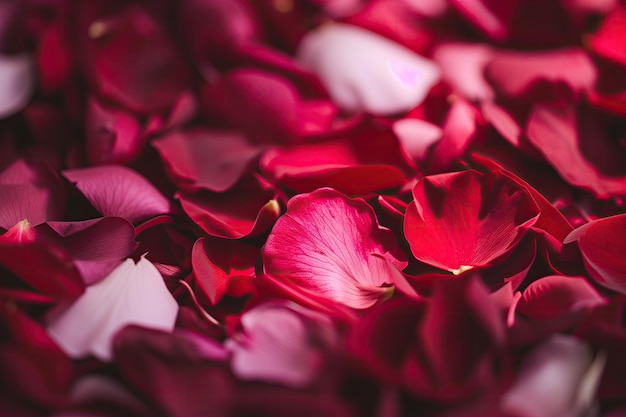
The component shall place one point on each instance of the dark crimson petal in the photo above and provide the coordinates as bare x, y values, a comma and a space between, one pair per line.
554, 131
207, 159
266, 106
247, 209
460, 333
131, 60
329, 244
223, 266
173, 371
34, 369
30, 192
113, 135
462, 220
556, 295
119, 191
602, 245
97, 246
43, 266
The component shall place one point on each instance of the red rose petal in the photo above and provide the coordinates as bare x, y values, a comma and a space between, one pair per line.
602, 245
464, 220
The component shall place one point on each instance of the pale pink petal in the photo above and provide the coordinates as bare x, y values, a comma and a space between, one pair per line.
551, 379
364, 71
463, 65
417, 136
119, 191
131, 294
281, 342
16, 83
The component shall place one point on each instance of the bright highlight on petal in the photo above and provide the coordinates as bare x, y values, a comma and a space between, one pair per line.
131, 294
367, 72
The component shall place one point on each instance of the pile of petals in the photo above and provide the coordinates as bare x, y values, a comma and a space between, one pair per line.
342, 208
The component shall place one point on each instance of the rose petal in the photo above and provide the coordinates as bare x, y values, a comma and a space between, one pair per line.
458, 222
112, 135
556, 295
514, 73
463, 65
185, 155
16, 83
602, 247
119, 191
367, 72
326, 242
131, 294
278, 344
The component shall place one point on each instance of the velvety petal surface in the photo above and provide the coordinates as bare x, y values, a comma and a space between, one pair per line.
556, 295
131, 294
602, 246
326, 243
463, 220
208, 159
119, 191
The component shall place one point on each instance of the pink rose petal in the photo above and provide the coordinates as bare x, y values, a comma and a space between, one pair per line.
364, 71
462, 220
119, 191
326, 243
281, 342
131, 294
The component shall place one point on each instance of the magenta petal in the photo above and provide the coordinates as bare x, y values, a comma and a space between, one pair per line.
281, 342
602, 245
556, 295
42, 265
97, 246
119, 191
131, 294
462, 220
30, 192
112, 135
184, 153
514, 73
326, 243
555, 132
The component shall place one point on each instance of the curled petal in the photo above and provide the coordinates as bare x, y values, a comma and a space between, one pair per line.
463, 220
